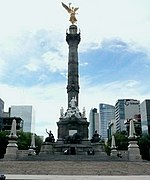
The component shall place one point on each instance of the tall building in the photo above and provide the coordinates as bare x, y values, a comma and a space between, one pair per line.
137, 124
1, 107
145, 116
106, 114
27, 114
94, 122
111, 128
6, 123
1, 112
125, 109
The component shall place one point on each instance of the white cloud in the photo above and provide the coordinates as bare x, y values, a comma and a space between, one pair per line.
100, 19
84, 64
55, 61
110, 92
32, 65
46, 101
89, 46
2, 66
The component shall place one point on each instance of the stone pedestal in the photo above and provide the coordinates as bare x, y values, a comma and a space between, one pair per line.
31, 152
11, 151
114, 153
133, 151
133, 148
12, 147
47, 148
98, 148
68, 124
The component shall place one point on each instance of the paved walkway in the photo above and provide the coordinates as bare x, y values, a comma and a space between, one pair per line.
91, 168
58, 177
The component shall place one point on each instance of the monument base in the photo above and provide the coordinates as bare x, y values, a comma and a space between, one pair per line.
113, 153
47, 148
31, 152
97, 147
60, 148
133, 151
11, 151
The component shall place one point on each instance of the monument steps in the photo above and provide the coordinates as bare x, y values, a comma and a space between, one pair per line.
50, 157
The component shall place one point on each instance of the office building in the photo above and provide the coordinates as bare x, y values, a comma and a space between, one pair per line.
6, 123
125, 109
1, 107
27, 114
137, 124
111, 128
145, 116
1, 112
94, 122
106, 114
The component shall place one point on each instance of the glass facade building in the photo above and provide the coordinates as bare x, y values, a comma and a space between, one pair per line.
125, 109
145, 116
1, 107
27, 114
94, 122
106, 114
1, 112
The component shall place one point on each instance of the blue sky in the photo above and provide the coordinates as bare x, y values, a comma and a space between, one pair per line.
114, 54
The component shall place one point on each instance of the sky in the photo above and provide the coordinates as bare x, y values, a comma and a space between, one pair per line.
114, 54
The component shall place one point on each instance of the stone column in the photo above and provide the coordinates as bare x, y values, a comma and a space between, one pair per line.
31, 150
73, 39
113, 147
12, 147
133, 148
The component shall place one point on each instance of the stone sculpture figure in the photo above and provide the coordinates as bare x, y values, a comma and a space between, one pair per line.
83, 114
62, 112
74, 139
73, 102
71, 11
50, 138
96, 137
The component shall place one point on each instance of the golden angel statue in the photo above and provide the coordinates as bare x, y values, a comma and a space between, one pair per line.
71, 11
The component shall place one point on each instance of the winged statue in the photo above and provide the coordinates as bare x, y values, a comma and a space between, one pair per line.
71, 11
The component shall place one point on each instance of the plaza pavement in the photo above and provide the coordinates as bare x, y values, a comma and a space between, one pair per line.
62, 177
73, 170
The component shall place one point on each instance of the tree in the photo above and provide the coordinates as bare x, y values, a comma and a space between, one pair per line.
107, 148
121, 139
3, 143
24, 141
38, 143
144, 145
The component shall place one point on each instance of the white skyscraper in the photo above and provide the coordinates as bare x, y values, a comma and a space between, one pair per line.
27, 114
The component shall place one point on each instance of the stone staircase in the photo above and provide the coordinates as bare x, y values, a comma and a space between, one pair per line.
51, 157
